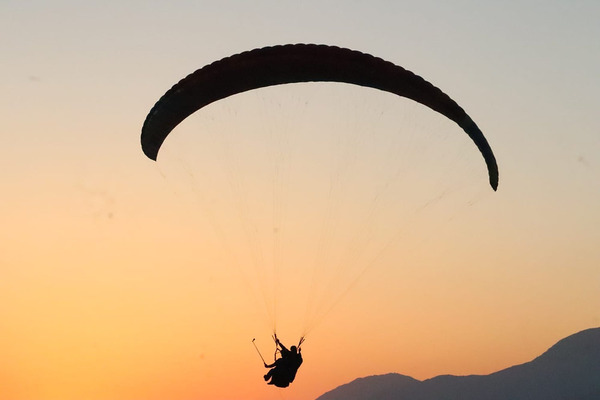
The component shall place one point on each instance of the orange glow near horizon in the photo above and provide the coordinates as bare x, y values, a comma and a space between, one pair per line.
158, 296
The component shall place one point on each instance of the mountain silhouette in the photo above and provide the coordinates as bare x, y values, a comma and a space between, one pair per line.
569, 370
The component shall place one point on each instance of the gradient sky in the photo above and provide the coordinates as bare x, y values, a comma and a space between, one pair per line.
121, 278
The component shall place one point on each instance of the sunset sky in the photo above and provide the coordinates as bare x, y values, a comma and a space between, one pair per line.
355, 217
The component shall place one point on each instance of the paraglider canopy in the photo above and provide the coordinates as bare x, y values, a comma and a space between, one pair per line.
300, 63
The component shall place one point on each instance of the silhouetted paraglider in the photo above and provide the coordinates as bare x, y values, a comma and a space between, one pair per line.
295, 63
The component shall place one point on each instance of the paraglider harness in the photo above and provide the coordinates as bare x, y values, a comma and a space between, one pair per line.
281, 374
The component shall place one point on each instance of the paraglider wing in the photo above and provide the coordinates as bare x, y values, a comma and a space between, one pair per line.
299, 63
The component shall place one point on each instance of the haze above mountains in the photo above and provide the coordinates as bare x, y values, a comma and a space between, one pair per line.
569, 370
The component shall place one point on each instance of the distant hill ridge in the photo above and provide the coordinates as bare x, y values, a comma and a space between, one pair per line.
569, 370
